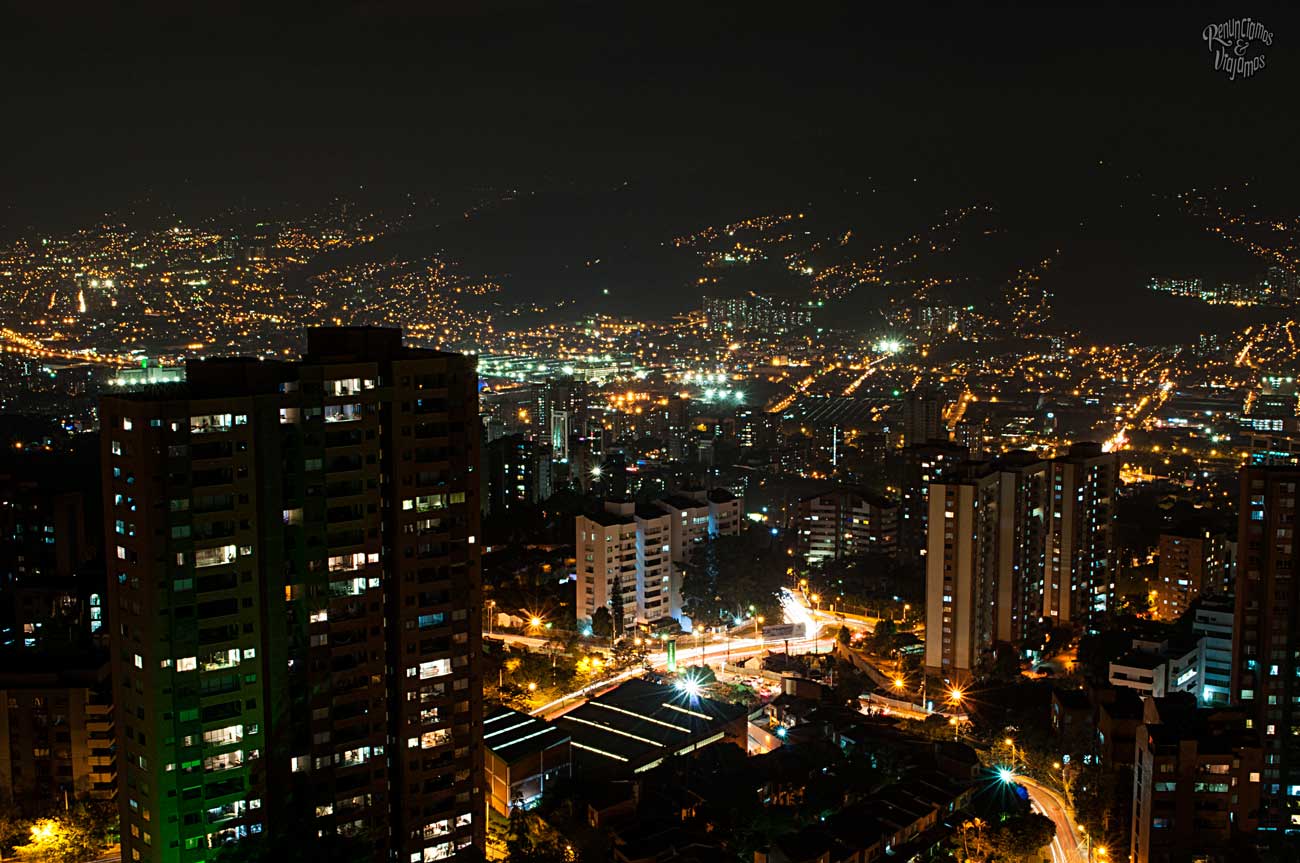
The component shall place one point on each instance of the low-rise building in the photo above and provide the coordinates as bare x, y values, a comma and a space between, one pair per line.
525, 754
638, 725
1201, 666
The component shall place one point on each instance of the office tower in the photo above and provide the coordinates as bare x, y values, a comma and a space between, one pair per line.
559, 437
56, 733
518, 472
843, 523
1265, 643
624, 555
561, 410
1081, 561
923, 417
294, 597
1196, 783
913, 469
1192, 562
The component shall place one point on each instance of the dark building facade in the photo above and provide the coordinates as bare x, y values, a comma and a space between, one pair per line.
518, 472
293, 597
913, 468
1265, 642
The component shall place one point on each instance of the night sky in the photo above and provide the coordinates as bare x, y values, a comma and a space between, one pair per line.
101, 105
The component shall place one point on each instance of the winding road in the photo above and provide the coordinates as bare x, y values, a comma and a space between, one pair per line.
1068, 844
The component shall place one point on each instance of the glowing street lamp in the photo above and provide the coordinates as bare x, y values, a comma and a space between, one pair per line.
899, 683
1006, 776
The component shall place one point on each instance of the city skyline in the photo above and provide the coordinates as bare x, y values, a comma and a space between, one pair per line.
607, 433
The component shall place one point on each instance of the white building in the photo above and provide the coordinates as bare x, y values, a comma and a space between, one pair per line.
697, 515
1202, 668
632, 544
642, 545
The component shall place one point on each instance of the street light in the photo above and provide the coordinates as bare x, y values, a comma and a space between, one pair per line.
1006, 775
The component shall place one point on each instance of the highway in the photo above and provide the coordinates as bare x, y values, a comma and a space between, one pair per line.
705, 652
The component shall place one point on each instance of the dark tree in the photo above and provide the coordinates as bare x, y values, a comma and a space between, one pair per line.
530, 840
1021, 838
602, 623
727, 576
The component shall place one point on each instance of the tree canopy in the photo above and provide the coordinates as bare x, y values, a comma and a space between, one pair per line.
726, 575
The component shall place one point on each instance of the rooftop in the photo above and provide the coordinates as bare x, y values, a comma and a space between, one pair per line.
640, 722
512, 736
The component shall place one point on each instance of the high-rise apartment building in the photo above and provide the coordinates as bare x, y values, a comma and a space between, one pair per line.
1192, 562
961, 583
1196, 782
843, 523
293, 597
922, 417
630, 554
56, 733
1080, 558
913, 469
1002, 538
1266, 635
518, 471
756, 312
624, 559
698, 514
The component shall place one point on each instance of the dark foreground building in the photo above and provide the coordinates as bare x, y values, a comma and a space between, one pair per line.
294, 585
1265, 644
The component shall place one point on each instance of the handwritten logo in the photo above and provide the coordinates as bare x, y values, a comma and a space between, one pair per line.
1235, 45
